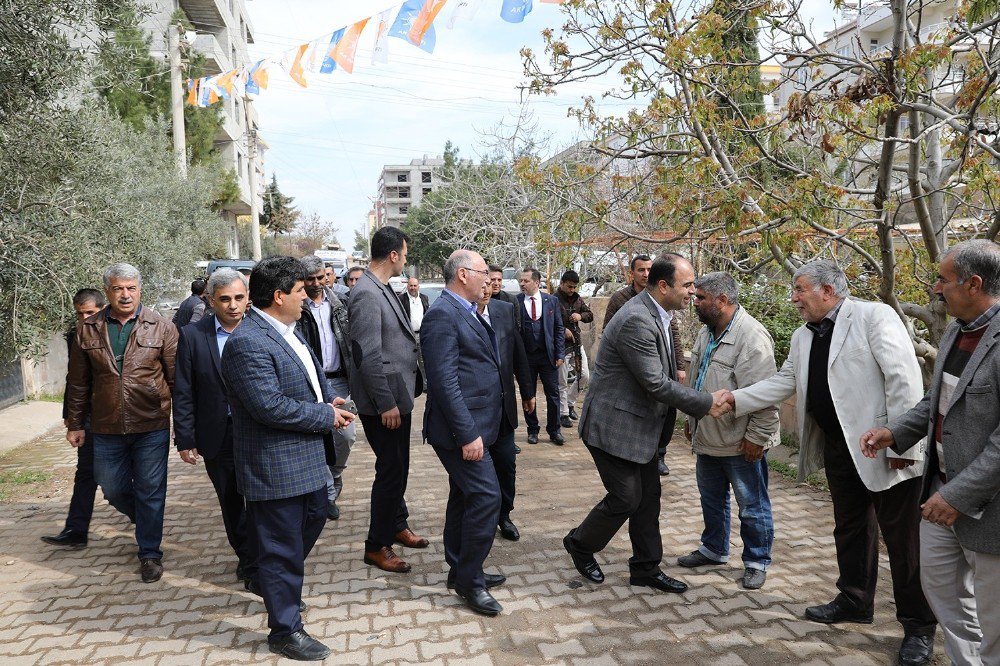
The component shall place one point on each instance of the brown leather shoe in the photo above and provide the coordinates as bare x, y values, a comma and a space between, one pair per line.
385, 559
411, 540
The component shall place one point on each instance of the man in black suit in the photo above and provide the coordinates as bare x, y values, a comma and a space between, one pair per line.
513, 363
194, 308
461, 419
203, 424
414, 303
86, 302
544, 339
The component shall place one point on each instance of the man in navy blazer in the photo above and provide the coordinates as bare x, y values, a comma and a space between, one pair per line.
462, 418
544, 338
501, 316
203, 424
282, 406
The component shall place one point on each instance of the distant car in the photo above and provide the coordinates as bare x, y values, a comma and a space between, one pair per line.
398, 283
241, 265
431, 290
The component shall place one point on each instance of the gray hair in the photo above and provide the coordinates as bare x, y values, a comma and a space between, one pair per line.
824, 272
121, 272
224, 277
313, 263
458, 259
719, 283
977, 257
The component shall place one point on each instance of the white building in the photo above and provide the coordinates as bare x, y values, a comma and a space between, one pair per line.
404, 185
222, 32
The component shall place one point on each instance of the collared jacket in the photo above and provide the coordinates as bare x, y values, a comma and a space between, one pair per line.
341, 330
137, 399
743, 357
623, 296
574, 304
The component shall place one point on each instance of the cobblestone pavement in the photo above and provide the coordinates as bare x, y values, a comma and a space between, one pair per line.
90, 607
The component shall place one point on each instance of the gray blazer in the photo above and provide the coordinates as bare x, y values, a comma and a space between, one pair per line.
633, 386
971, 439
383, 350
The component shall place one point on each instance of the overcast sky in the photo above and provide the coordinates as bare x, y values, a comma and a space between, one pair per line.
328, 142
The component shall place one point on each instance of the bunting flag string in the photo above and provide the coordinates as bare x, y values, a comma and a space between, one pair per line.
411, 21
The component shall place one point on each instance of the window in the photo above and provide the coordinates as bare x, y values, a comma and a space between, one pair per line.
425, 176
403, 210
404, 193
426, 191
402, 177
844, 51
801, 76
873, 46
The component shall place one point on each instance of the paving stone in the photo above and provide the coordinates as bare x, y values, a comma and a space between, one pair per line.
89, 606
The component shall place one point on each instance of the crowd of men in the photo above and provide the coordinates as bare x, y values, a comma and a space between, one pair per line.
266, 381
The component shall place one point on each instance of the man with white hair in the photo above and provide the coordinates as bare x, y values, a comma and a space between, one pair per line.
121, 372
850, 365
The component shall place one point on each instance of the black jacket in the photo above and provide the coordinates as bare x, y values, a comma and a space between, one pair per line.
341, 330
200, 405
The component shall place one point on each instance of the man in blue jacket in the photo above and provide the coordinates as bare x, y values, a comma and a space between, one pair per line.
462, 418
282, 406
544, 339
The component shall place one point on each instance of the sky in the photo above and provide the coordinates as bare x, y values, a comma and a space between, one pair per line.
328, 142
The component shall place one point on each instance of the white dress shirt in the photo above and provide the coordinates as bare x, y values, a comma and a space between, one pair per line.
416, 311
537, 298
322, 313
665, 317
288, 333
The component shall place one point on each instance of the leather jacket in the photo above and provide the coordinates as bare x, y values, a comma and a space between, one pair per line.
341, 330
138, 399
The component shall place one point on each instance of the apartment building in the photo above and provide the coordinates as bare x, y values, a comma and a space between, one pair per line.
404, 185
222, 31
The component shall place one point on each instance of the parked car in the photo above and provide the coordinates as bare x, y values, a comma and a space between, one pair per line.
241, 265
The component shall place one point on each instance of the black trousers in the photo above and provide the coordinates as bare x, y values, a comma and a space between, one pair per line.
471, 517
389, 514
286, 530
668, 432
505, 464
633, 495
858, 515
222, 471
539, 366
81, 504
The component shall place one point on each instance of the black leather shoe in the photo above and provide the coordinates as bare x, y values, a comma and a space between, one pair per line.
490, 580
67, 539
916, 650
572, 414
660, 581
661, 467
299, 646
333, 513
566, 422
250, 586
517, 449
480, 601
151, 570
532, 438
835, 611
508, 530
585, 564
557, 439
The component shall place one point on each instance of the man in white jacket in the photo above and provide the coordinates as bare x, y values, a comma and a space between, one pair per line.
851, 365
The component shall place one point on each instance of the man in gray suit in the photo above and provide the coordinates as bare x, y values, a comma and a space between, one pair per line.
960, 530
633, 386
384, 383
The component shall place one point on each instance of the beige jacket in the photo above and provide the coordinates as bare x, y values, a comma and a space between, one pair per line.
744, 356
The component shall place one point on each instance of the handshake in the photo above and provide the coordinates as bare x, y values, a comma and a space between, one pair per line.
723, 402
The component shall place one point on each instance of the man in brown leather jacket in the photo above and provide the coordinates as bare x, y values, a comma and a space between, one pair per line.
121, 372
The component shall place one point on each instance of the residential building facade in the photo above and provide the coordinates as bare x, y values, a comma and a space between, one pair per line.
402, 186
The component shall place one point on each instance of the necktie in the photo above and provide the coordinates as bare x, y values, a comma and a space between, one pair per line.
534, 314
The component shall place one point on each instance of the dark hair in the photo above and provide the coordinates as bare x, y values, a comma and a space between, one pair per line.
198, 287
664, 268
275, 274
89, 296
493, 268
535, 275
387, 240
638, 257
354, 269
570, 276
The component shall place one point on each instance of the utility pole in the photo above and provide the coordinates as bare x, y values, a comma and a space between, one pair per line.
252, 158
177, 98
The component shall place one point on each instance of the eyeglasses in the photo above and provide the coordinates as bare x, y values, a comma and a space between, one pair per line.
486, 273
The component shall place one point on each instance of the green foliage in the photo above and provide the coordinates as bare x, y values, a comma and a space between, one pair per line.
279, 215
360, 242
426, 230
767, 300
226, 188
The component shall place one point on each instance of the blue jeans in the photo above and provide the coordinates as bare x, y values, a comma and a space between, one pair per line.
716, 474
132, 472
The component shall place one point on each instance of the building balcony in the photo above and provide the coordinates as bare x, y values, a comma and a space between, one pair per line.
205, 13
216, 58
